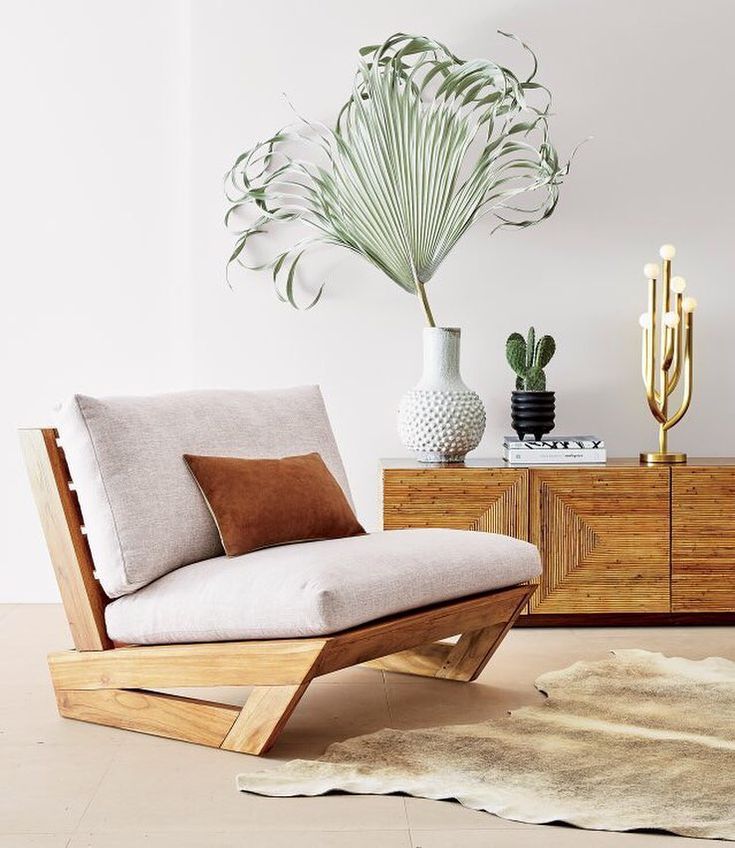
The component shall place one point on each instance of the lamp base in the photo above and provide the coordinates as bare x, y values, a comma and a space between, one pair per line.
663, 458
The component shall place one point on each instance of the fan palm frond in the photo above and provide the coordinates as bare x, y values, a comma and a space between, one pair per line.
427, 145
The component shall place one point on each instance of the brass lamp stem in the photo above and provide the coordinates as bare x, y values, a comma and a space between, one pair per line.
676, 365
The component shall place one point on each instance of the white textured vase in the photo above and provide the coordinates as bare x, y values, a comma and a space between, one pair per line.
440, 418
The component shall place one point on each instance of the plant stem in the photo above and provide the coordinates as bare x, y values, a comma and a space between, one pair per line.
421, 291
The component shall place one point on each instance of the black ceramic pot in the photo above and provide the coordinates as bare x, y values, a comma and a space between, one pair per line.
532, 413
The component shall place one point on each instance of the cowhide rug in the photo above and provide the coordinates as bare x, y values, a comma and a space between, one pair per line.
638, 740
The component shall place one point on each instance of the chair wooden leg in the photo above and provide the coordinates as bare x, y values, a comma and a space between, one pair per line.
104, 688
463, 661
262, 718
156, 713
251, 729
472, 652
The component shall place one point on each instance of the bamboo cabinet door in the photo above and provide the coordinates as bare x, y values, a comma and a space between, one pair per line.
604, 538
703, 534
490, 499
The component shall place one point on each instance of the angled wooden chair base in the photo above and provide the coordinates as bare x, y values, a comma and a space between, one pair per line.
110, 687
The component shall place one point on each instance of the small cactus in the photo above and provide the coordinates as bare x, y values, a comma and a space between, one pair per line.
528, 358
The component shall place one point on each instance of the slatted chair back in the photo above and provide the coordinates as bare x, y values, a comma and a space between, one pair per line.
63, 526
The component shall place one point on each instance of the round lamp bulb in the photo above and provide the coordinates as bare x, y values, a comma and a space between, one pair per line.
671, 319
678, 284
667, 251
651, 270
645, 321
689, 304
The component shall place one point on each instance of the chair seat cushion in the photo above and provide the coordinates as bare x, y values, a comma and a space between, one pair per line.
318, 588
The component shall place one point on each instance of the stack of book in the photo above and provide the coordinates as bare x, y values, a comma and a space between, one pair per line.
561, 450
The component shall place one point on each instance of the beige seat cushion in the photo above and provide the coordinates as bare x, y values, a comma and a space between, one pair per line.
143, 512
316, 588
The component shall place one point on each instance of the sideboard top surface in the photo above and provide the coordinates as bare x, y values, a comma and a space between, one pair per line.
406, 464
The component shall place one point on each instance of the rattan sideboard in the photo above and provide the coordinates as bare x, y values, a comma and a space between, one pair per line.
621, 543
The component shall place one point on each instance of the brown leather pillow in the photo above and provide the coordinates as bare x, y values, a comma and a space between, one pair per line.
258, 503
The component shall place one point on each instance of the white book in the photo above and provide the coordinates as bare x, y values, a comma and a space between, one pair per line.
555, 443
552, 457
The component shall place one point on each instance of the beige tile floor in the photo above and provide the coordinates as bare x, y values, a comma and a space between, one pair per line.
64, 784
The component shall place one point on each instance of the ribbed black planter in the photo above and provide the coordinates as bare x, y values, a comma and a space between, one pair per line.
532, 413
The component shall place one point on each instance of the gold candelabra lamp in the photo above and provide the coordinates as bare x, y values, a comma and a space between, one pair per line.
673, 338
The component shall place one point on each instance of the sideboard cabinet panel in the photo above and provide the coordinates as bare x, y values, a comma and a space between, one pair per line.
703, 534
493, 500
604, 537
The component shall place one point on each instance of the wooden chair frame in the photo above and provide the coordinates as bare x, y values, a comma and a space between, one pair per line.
108, 684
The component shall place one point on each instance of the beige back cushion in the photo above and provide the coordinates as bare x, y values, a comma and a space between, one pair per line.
143, 512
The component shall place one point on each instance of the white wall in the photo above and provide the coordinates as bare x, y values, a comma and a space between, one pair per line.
94, 292
125, 116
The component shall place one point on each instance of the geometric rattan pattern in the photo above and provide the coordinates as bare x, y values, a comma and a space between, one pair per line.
487, 499
604, 539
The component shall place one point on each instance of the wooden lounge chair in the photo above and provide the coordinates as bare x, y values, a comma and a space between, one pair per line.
105, 682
